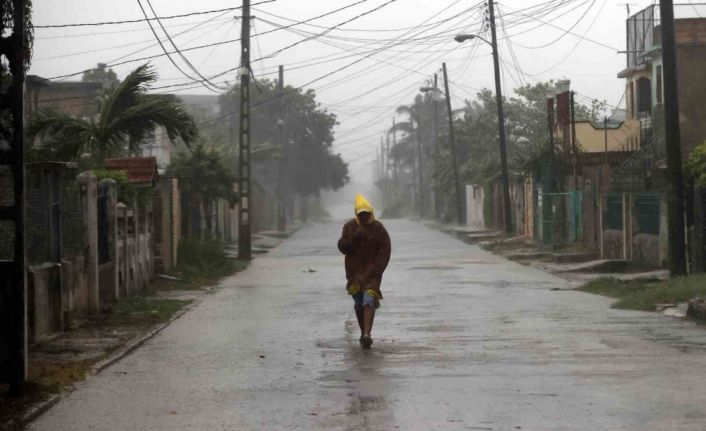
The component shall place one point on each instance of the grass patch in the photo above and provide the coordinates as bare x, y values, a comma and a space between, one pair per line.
205, 261
148, 309
12, 408
646, 294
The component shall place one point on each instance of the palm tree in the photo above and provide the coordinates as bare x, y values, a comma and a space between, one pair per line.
126, 116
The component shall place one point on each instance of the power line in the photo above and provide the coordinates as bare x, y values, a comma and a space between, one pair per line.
203, 80
570, 32
375, 9
150, 57
123, 31
130, 21
215, 22
332, 72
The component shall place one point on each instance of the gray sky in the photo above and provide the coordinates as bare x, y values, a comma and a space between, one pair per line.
363, 95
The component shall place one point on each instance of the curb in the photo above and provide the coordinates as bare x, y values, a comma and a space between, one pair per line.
138, 341
40, 408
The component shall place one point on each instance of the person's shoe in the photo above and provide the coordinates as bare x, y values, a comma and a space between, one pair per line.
366, 341
360, 340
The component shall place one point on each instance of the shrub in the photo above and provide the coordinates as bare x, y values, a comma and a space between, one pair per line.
204, 258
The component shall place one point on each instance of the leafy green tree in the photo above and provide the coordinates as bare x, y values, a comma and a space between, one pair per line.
127, 115
696, 165
308, 135
101, 74
6, 23
204, 178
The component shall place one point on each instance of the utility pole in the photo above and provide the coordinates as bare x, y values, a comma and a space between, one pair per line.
13, 293
244, 226
675, 197
454, 154
605, 137
382, 158
574, 150
394, 144
501, 122
420, 175
281, 212
435, 105
387, 156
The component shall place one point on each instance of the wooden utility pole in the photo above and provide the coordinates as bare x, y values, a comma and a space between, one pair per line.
605, 137
244, 222
281, 212
675, 197
420, 174
13, 296
435, 189
382, 158
395, 171
507, 212
454, 154
574, 150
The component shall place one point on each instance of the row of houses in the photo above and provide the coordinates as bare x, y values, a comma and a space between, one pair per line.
605, 191
86, 246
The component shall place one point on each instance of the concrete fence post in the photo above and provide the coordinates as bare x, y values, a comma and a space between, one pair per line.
601, 200
121, 245
137, 273
107, 189
89, 196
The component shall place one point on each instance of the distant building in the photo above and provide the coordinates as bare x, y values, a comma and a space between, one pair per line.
617, 134
644, 75
70, 97
206, 103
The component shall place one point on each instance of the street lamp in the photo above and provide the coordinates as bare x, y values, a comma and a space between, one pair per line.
501, 116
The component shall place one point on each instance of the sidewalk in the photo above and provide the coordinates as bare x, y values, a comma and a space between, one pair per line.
58, 362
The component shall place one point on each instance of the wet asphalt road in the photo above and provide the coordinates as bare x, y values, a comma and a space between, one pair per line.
464, 341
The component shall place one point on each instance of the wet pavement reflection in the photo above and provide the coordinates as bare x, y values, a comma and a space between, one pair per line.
464, 340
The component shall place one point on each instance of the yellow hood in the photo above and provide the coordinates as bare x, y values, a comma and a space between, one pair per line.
362, 205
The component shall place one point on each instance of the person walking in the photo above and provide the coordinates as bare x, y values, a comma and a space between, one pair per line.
366, 245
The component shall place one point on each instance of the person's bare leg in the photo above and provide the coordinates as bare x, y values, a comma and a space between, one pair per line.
368, 317
359, 314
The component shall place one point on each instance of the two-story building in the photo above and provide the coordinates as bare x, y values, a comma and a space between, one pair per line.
644, 78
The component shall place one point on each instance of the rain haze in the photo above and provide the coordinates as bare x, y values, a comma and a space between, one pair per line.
395, 50
352, 215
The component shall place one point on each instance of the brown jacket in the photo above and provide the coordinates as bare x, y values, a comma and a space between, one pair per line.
367, 249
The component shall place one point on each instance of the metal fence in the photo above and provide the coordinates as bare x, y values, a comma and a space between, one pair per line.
644, 212
561, 218
54, 226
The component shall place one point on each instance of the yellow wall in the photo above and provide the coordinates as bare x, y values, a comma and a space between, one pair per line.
592, 140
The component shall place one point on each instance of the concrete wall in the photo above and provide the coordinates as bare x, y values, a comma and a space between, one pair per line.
79, 284
474, 206
135, 255
44, 289
629, 243
168, 220
591, 137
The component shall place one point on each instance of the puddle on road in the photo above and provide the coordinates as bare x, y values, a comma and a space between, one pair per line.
434, 268
438, 328
362, 404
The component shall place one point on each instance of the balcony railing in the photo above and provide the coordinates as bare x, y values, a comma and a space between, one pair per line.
642, 29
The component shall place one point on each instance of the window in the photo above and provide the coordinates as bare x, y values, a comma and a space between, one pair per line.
644, 95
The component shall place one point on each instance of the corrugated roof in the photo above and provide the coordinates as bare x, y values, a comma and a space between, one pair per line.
139, 170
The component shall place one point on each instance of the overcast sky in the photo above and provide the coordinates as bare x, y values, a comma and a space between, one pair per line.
414, 37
